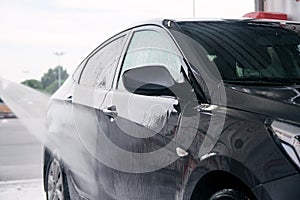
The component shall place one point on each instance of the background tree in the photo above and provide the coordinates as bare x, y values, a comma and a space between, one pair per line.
33, 83
52, 87
49, 81
52, 75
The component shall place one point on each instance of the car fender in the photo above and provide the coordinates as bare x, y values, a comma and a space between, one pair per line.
218, 163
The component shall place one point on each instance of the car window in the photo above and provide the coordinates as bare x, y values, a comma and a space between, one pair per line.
150, 47
100, 68
249, 52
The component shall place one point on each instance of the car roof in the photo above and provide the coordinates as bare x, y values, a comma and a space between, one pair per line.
160, 21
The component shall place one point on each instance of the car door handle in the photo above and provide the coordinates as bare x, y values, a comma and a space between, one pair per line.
111, 112
180, 152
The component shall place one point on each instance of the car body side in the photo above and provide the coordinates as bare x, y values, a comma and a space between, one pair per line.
244, 156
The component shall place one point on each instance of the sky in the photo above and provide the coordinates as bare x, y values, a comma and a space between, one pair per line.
33, 30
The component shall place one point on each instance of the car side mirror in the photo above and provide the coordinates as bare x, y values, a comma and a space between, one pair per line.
148, 80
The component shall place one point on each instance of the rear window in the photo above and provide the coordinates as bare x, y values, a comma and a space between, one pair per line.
249, 51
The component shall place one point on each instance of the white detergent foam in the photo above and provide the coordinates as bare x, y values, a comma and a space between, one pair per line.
29, 105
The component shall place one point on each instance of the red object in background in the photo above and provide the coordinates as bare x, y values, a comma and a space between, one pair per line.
266, 15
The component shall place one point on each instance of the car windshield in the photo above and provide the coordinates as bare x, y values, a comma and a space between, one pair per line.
250, 51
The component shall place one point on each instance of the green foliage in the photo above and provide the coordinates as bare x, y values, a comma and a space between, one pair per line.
52, 75
52, 87
49, 81
33, 83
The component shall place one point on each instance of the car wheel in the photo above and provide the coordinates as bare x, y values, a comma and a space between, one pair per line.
57, 187
228, 194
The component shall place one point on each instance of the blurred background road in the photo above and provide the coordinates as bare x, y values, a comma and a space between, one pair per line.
20, 162
20, 152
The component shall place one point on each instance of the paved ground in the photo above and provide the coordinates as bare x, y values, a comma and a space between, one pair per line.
20, 153
22, 190
20, 162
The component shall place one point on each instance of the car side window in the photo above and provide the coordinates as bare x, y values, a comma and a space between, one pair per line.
100, 68
151, 47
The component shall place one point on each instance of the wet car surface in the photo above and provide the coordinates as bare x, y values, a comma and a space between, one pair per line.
180, 110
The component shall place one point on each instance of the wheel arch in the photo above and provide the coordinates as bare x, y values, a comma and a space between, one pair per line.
216, 173
48, 156
47, 159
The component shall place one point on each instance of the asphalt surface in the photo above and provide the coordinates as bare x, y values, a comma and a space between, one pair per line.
20, 152
21, 157
31, 189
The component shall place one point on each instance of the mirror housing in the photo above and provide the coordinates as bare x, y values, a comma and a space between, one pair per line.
148, 80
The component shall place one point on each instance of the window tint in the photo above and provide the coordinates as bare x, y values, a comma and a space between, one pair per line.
100, 68
245, 51
149, 47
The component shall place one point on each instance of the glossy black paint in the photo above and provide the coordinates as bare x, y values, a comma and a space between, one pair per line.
148, 80
244, 156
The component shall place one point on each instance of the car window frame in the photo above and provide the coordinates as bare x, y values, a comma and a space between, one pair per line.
77, 72
146, 27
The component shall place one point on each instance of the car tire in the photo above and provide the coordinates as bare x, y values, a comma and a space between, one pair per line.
228, 194
56, 181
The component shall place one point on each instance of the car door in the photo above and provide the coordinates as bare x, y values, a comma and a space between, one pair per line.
95, 81
138, 148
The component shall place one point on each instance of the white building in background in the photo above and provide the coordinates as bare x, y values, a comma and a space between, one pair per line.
289, 7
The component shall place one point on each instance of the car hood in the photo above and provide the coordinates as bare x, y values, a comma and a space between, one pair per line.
276, 101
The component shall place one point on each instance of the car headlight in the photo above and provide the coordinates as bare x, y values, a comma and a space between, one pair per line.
289, 136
